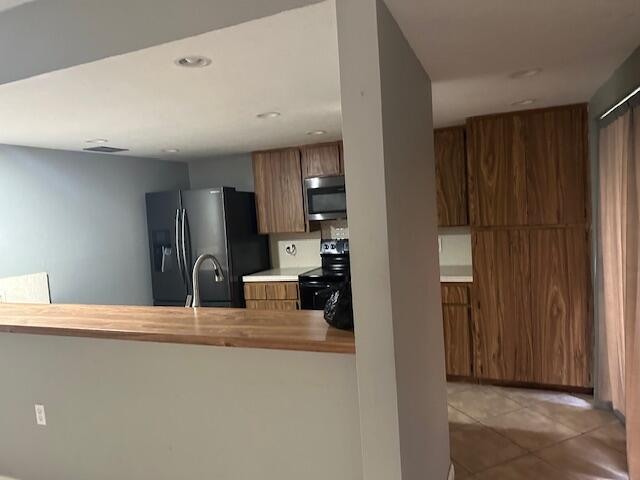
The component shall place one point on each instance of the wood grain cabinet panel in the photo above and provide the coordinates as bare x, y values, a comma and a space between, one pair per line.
282, 290
272, 295
560, 306
557, 176
501, 298
321, 160
455, 294
274, 305
278, 187
457, 339
451, 176
496, 170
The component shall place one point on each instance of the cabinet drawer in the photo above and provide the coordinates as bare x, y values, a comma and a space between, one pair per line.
455, 294
271, 291
278, 305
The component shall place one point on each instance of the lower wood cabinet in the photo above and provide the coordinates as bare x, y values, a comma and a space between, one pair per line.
530, 306
272, 295
456, 315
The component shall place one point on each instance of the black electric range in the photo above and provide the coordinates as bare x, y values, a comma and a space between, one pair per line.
316, 286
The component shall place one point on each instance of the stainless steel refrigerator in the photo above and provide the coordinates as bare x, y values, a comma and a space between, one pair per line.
186, 224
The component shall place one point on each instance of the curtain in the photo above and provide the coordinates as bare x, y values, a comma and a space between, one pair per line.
619, 160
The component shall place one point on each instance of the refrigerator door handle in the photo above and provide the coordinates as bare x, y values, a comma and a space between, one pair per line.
178, 258
184, 248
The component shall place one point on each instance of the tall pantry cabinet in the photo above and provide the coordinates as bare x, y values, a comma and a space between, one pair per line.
529, 214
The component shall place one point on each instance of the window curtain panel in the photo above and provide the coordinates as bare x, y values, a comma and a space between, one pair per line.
619, 160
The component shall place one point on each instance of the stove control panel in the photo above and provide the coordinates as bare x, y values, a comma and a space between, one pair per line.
334, 247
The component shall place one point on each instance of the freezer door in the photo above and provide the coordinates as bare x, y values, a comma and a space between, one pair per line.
206, 233
167, 272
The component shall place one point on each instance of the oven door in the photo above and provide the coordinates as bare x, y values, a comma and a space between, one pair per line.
315, 293
325, 198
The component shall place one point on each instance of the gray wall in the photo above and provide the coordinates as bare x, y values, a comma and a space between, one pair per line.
224, 171
386, 110
81, 217
126, 410
623, 81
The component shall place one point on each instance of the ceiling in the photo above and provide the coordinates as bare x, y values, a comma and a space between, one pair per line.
289, 63
142, 101
470, 48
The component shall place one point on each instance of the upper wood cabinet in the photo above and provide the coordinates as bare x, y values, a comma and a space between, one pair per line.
556, 150
278, 186
321, 160
451, 176
496, 170
529, 168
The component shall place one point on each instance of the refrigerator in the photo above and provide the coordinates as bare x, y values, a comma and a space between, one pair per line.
185, 224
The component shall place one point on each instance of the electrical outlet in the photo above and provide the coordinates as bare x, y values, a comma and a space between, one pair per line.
291, 249
41, 417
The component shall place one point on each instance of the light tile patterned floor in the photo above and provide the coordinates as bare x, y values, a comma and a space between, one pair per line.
511, 434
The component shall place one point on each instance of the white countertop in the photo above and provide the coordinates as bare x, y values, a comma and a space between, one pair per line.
448, 274
456, 274
278, 275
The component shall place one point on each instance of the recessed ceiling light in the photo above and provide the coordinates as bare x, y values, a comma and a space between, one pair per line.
97, 140
268, 115
526, 101
171, 150
193, 61
526, 73
317, 132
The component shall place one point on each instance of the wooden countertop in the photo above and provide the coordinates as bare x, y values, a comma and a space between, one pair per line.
301, 330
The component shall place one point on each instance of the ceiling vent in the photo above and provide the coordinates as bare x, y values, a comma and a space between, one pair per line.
106, 149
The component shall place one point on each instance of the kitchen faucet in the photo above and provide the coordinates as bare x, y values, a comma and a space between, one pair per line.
217, 275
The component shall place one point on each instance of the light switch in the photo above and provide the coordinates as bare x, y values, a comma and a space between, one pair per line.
41, 418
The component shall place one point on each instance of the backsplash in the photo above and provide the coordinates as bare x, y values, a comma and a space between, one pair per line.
334, 229
455, 246
307, 249
25, 289
303, 249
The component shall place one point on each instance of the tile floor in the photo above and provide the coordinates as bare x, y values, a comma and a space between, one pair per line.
511, 434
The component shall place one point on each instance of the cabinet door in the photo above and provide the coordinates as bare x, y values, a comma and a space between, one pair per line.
321, 160
562, 328
502, 323
278, 185
496, 171
457, 340
451, 176
556, 150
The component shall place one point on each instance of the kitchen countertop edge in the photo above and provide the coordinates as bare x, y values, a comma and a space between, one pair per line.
222, 327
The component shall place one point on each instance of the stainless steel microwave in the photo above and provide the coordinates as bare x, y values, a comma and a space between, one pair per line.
325, 198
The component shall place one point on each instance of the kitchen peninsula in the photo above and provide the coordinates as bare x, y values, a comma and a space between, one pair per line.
157, 393
224, 327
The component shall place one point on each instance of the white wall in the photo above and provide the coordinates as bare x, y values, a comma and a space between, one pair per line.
456, 246
386, 108
81, 217
130, 410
